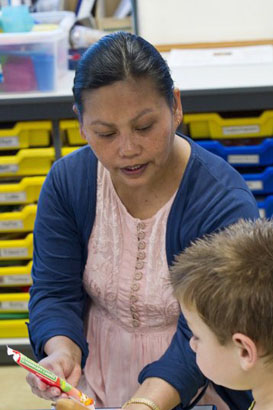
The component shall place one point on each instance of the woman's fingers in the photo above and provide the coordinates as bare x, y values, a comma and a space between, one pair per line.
62, 364
41, 389
51, 393
35, 382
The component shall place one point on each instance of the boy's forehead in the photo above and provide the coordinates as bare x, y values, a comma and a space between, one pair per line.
194, 320
190, 313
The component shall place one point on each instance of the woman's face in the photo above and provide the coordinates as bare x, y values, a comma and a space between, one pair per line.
131, 130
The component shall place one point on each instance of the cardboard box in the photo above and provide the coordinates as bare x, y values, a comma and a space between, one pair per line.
104, 17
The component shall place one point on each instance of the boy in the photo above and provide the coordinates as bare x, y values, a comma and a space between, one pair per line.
224, 283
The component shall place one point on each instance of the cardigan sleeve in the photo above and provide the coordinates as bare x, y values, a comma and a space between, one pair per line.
178, 365
57, 299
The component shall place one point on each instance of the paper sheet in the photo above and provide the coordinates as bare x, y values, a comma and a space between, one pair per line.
221, 56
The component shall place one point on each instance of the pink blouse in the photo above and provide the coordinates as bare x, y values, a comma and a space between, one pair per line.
133, 314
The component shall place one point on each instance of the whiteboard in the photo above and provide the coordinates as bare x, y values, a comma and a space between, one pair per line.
200, 21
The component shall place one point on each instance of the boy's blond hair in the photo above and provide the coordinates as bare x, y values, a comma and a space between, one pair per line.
228, 277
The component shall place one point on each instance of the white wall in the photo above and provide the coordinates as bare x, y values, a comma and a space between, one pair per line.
196, 21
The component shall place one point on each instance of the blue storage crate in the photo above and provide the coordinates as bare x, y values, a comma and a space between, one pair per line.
265, 206
261, 154
260, 183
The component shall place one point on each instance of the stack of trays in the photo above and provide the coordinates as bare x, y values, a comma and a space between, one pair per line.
246, 143
68, 150
26, 156
70, 132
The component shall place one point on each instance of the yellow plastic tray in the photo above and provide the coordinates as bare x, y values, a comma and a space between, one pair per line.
21, 221
212, 125
16, 275
71, 132
14, 302
26, 134
35, 161
68, 150
24, 192
13, 328
17, 249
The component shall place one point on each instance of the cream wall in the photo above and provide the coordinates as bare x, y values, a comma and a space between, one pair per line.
195, 21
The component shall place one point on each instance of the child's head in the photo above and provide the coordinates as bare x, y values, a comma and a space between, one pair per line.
224, 283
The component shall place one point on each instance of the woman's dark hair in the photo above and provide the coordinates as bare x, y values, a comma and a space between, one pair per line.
116, 57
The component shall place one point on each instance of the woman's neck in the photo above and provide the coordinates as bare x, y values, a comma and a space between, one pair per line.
145, 201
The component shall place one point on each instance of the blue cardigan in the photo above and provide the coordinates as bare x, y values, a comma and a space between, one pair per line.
211, 196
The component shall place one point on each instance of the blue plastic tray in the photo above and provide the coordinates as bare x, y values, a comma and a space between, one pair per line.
245, 155
260, 183
265, 206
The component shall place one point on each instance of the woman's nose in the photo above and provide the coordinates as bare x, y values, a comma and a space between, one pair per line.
128, 145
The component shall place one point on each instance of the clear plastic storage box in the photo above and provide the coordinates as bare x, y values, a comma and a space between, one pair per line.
32, 61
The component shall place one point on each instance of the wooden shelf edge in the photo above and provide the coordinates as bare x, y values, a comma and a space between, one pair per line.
168, 47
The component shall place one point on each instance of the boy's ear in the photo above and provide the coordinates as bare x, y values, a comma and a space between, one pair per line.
76, 111
177, 107
246, 350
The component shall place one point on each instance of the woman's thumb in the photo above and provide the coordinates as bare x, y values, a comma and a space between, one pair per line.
74, 376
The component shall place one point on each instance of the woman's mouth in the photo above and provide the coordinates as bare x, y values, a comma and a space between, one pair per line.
134, 169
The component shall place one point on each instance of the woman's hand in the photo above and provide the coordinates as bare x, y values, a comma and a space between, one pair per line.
64, 360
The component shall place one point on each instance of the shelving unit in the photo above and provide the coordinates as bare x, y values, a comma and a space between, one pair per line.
257, 95
21, 344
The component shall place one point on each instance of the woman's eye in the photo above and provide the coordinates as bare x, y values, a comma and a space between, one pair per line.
146, 128
106, 134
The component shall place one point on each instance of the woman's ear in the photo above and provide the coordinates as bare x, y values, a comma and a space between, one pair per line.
246, 350
177, 107
76, 111
78, 114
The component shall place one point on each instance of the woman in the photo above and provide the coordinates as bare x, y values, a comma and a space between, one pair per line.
110, 220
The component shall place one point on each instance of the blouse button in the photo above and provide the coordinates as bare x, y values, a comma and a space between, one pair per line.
135, 286
135, 323
133, 308
141, 235
141, 255
138, 275
133, 298
110, 297
140, 225
141, 245
139, 265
